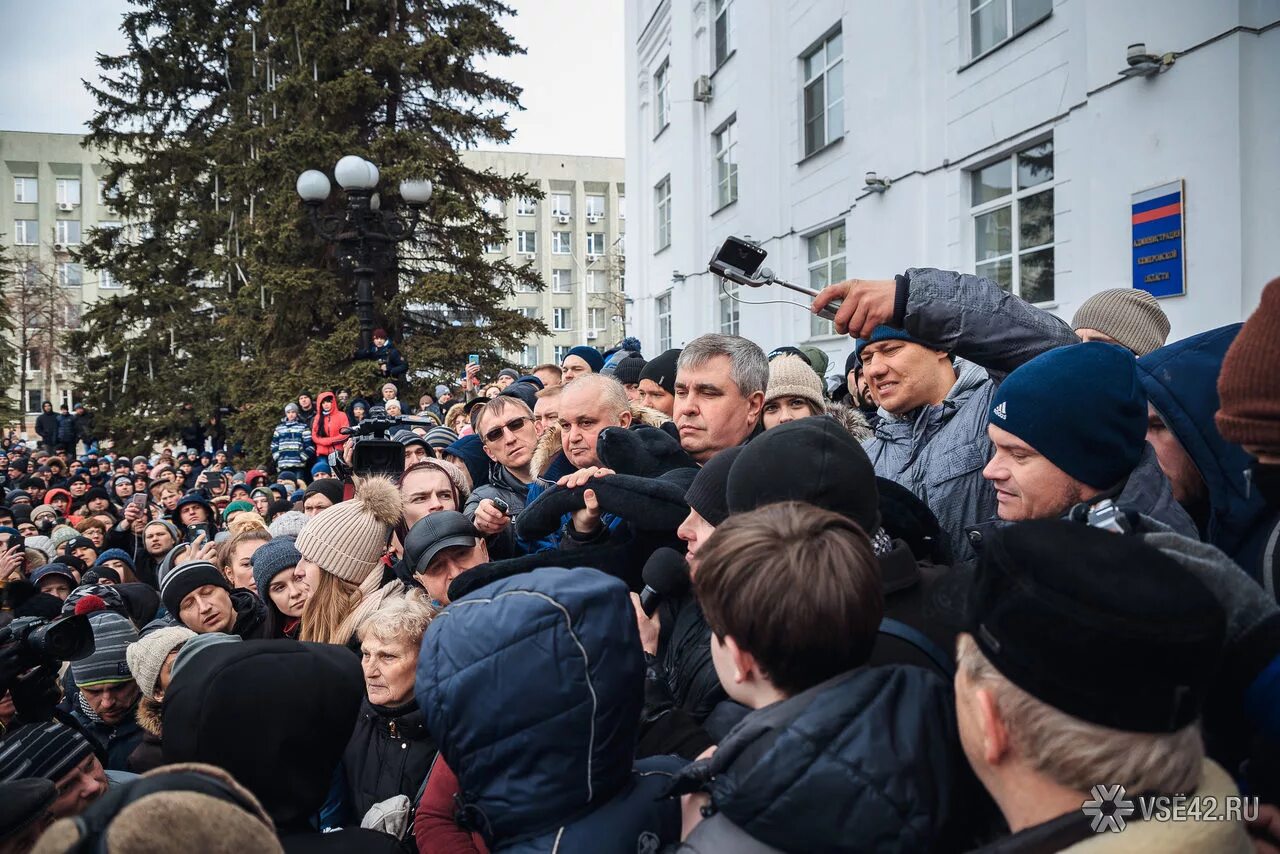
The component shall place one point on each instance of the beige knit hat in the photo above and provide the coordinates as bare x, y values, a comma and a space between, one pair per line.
1130, 316
349, 538
146, 656
791, 376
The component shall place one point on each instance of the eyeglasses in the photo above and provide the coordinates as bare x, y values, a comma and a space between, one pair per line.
515, 425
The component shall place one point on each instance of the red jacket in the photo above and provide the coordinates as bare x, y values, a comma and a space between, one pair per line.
330, 438
433, 826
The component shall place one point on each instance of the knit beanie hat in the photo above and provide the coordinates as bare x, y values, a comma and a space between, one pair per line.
288, 524
330, 487
349, 538
1249, 384
186, 577
889, 333
590, 355
628, 369
1081, 406
1130, 316
61, 535
706, 494
114, 554
662, 370
49, 749
237, 507
790, 376
441, 437
107, 665
290, 407
272, 559
146, 655
509, 372
441, 391
167, 525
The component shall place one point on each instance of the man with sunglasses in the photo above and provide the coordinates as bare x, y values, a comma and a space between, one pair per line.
505, 426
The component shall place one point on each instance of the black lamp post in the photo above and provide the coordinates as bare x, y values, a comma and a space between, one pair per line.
364, 234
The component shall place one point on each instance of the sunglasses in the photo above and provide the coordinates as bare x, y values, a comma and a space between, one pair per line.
515, 425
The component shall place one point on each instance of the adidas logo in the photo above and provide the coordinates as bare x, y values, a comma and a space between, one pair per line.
999, 411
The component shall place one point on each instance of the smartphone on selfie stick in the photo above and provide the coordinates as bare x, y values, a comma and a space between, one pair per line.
739, 261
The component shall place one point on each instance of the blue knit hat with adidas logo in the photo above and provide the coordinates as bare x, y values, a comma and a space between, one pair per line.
1082, 407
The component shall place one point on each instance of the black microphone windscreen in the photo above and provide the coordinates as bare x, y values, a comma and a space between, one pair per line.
666, 572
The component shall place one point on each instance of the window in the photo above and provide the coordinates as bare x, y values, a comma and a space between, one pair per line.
68, 191
560, 351
561, 242
526, 242
523, 287
597, 282
26, 232
71, 316
824, 94
596, 320
622, 207
531, 312
492, 205
561, 204
35, 397
661, 97
526, 206
1012, 209
728, 309
724, 143
992, 22
724, 34
106, 280
68, 232
496, 248
662, 211
25, 190
70, 274
826, 266
562, 281
561, 319
595, 207
529, 357
621, 243
104, 224
664, 322
595, 243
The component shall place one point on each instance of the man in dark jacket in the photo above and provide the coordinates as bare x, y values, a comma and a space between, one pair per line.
84, 427
199, 597
390, 362
47, 426
192, 432
505, 425
65, 435
107, 695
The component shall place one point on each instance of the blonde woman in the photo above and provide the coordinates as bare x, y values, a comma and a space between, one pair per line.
235, 555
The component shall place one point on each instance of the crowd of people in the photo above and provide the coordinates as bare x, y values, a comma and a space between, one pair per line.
716, 600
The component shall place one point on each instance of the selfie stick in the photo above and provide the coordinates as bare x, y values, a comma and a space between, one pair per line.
766, 277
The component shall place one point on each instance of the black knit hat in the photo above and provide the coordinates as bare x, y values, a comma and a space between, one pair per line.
1098, 625
814, 460
627, 370
330, 487
707, 492
186, 577
662, 370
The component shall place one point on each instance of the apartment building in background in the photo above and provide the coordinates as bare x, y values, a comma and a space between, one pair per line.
574, 236
1061, 147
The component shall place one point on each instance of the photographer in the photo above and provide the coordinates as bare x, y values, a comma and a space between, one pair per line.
390, 362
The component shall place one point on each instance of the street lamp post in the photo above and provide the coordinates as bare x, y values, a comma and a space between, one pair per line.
364, 234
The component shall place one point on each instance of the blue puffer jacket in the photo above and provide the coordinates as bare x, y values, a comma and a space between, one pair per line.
532, 686
291, 445
1181, 381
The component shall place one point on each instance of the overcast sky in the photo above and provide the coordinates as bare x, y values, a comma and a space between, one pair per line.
571, 75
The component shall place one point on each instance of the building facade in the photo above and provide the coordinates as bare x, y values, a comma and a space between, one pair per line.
574, 236
1002, 134
51, 196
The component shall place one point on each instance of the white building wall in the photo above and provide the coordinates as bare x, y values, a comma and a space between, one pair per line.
916, 110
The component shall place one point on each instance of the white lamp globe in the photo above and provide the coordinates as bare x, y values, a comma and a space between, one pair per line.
373, 173
353, 173
416, 192
313, 186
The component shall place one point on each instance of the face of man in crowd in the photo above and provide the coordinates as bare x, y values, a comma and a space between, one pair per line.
157, 540
1184, 478
545, 413
780, 410
573, 367
261, 503
192, 514
447, 565
207, 609
112, 703
388, 671
56, 585
86, 554
504, 381
240, 571
904, 375
695, 531
549, 378
1027, 485
583, 414
79, 788
96, 505
315, 503
388, 392
289, 593
710, 411
416, 453
513, 447
655, 396
124, 489
426, 491
304, 401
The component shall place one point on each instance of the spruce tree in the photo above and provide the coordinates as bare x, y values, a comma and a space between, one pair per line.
230, 299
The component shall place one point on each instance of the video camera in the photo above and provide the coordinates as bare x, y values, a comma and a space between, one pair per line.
49, 642
375, 452
739, 261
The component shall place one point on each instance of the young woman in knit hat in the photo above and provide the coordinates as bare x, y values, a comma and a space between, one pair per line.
342, 549
794, 391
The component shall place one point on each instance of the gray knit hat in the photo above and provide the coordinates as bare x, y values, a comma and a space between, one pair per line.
108, 665
441, 437
288, 524
146, 656
272, 559
348, 539
1130, 316
62, 534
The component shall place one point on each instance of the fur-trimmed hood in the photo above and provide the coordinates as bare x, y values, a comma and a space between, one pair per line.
549, 443
148, 715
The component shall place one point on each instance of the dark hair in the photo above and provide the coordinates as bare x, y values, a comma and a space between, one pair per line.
796, 586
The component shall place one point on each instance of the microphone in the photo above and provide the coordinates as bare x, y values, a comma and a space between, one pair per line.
666, 576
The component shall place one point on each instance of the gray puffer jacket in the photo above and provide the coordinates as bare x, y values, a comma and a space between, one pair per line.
939, 451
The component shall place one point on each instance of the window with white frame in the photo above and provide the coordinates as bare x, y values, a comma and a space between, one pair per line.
106, 281
562, 319
596, 320
523, 287
526, 206
823, 93
561, 242
1012, 210
595, 243
562, 281
622, 278
26, 232
597, 282
595, 207
35, 396
68, 190
622, 207
826, 266
71, 315
561, 204
723, 30
662, 214
26, 190
621, 244
70, 274
496, 248
526, 242
661, 97
663, 305
728, 308
531, 312
67, 232
724, 143
560, 351
993, 22
529, 356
